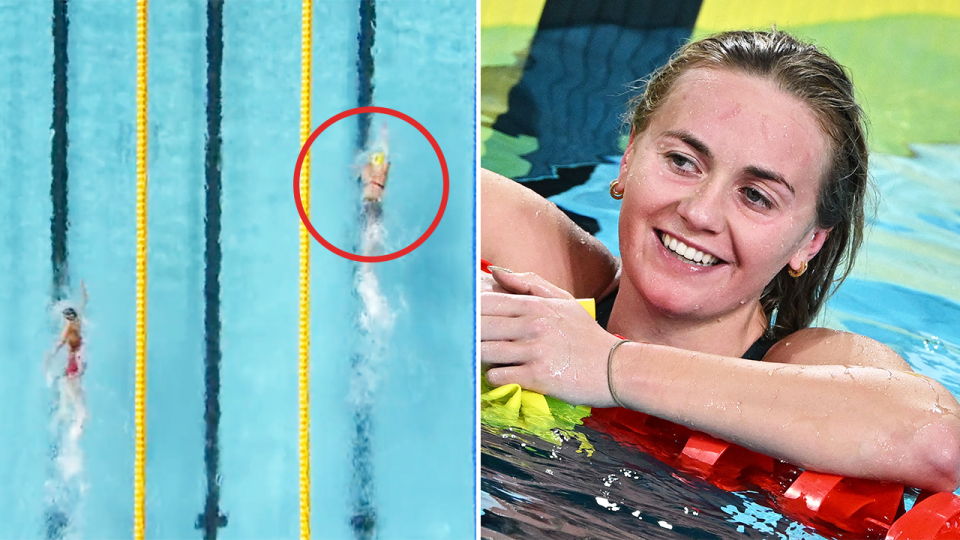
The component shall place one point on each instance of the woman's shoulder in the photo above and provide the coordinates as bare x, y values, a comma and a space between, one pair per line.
826, 346
522, 231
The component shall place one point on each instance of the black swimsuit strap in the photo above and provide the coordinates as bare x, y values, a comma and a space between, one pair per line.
756, 351
605, 307
759, 348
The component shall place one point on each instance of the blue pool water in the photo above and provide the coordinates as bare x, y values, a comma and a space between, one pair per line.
904, 292
421, 410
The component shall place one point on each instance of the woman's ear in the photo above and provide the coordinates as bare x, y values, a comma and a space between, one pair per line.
810, 248
627, 153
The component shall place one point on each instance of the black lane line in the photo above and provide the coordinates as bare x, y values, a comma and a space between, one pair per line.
58, 152
56, 515
212, 519
368, 23
364, 518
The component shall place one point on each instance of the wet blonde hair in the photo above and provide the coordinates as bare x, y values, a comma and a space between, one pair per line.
803, 71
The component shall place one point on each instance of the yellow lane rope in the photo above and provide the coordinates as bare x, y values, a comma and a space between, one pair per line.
140, 444
304, 371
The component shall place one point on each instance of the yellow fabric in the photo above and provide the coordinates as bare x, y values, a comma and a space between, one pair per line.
495, 13
510, 406
717, 15
590, 305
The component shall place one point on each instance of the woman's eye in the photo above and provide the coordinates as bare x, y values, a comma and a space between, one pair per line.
755, 196
682, 162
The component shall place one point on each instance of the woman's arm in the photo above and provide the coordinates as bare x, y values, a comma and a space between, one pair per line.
830, 401
847, 406
522, 231
49, 356
63, 339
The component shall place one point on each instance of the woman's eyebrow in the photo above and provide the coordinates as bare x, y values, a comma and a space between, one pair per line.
767, 174
689, 139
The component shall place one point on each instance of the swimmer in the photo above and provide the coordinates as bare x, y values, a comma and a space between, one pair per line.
374, 172
742, 193
72, 337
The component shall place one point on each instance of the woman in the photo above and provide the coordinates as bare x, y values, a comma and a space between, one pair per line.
375, 169
742, 193
72, 337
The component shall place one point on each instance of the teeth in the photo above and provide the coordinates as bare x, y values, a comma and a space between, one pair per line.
689, 253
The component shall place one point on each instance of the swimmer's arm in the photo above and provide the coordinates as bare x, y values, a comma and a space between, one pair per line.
49, 356
830, 401
522, 231
63, 339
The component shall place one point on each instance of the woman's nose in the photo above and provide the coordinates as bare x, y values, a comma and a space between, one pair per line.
702, 207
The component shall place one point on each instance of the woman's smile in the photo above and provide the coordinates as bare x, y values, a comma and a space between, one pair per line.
688, 253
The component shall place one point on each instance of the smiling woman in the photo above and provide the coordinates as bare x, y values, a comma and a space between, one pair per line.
742, 207
735, 178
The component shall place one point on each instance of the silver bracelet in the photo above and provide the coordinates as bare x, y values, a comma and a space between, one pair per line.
610, 372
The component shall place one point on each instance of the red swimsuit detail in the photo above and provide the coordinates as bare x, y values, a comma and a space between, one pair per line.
73, 364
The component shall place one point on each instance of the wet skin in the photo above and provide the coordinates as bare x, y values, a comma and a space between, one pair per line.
731, 166
375, 178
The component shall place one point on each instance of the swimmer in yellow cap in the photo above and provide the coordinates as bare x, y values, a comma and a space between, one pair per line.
374, 173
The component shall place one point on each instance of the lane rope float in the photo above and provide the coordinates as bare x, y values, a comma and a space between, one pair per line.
304, 361
140, 442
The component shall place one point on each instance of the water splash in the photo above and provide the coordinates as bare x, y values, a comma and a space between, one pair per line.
374, 324
375, 320
65, 484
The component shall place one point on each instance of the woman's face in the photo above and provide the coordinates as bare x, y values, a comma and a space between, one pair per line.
730, 167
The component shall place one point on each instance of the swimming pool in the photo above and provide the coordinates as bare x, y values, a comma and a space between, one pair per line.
553, 98
421, 417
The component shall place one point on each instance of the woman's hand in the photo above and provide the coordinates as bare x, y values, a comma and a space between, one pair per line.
538, 336
488, 284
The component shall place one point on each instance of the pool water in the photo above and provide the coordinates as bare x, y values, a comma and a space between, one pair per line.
420, 416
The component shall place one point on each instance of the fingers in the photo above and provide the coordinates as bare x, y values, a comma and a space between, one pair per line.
500, 376
488, 284
505, 305
502, 353
494, 328
527, 283
507, 328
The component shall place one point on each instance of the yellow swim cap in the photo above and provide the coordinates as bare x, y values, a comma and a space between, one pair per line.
377, 158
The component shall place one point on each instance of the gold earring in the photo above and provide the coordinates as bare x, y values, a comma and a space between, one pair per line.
613, 190
798, 273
